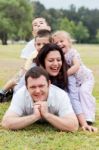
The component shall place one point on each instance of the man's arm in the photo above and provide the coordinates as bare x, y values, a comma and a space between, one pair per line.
12, 121
67, 123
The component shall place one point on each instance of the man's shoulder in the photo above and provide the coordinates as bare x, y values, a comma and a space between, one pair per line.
57, 96
22, 95
21, 91
56, 90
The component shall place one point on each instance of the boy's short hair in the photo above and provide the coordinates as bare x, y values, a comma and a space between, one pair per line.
44, 33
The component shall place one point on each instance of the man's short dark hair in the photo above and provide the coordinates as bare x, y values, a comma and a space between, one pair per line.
36, 72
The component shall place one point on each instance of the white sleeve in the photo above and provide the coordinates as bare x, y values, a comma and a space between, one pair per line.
27, 50
17, 103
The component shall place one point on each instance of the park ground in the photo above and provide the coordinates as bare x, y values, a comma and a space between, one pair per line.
44, 136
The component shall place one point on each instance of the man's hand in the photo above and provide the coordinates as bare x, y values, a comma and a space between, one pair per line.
42, 108
37, 110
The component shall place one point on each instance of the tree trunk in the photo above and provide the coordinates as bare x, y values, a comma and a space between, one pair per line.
4, 38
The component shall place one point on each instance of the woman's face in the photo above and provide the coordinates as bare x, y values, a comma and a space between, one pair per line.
53, 63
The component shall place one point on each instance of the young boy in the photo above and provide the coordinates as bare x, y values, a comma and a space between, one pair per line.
37, 24
43, 37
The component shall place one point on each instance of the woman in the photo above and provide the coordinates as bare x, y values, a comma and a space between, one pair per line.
52, 59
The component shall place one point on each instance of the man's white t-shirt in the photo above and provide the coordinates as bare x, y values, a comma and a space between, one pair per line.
58, 102
28, 49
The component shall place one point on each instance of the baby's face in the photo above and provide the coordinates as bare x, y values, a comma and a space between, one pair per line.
62, 42
38, 24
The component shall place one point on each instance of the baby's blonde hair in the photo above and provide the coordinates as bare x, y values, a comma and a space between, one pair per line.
65, 34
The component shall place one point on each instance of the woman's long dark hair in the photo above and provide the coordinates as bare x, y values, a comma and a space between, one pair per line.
61, 80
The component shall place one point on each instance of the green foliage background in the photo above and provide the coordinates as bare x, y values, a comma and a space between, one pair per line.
16, 18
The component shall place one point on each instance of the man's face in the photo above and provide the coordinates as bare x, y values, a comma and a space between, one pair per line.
40, 42
39, 24
38, 88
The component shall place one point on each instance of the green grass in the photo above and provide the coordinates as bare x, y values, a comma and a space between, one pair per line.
44, 136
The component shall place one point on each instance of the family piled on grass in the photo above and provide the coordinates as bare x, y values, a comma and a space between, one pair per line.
54, 85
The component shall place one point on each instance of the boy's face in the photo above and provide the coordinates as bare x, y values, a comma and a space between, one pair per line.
38, 24
62, 42
40, 42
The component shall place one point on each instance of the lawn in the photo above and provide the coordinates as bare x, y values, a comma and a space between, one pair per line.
44, 136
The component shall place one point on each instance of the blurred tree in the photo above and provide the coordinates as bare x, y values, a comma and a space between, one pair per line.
38, 9
65, 24
81, 33
90, 19
78, 31
15, 19
97, 36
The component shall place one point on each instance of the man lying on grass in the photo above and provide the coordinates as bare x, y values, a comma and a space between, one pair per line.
39, 100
